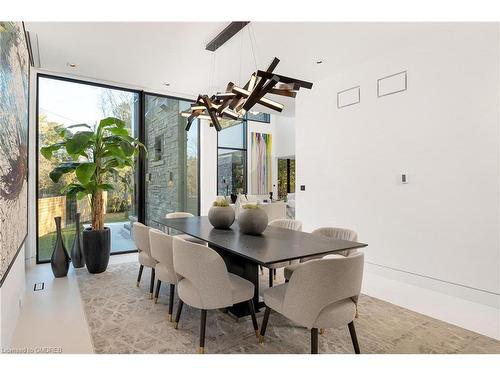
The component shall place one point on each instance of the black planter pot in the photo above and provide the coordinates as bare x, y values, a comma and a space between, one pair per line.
96, 249
59, 261
77, 248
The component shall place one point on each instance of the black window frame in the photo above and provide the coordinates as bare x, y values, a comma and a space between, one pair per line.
245, 156
141, 194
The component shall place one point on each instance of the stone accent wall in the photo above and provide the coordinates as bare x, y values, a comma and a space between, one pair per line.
166, 145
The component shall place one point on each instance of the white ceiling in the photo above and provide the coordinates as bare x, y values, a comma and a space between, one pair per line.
146, 55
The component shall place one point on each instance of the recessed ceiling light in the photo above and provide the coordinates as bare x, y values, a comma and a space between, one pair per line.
166, 84
71, 65
319, 62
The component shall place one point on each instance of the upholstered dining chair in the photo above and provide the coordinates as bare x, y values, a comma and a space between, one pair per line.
207, 285
187, 237
330, 232
287, 224
162, 251
322, 293
141, 239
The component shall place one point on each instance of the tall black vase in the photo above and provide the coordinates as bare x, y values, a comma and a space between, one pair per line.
77, 248
60, 258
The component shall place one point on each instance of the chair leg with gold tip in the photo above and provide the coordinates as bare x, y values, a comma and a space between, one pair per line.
171, 302
141, 268
314, 341
254, 318
152, 283
203, 325
178, 315
354, 338
264, 324
157, 293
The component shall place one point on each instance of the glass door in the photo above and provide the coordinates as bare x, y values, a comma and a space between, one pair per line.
62, 103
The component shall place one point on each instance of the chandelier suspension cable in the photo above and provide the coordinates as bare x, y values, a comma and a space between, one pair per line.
211, 73
241, 57
250, 33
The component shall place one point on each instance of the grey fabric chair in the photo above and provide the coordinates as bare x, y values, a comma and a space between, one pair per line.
322, 293
206, 284
286, 224
162, 251
141, 239
331, 232
177, 215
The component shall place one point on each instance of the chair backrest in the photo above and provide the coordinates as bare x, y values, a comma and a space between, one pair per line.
205, 269
177, 215
287, 224
319, 283
338, 234
162, 250
141, 237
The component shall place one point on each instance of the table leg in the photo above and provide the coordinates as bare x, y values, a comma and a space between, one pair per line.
248, 270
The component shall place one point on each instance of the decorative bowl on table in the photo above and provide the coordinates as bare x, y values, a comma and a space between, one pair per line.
221, 214
252, 219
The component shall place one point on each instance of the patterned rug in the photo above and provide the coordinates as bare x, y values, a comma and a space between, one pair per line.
122, 319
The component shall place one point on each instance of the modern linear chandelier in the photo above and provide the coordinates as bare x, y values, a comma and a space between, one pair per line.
236, 101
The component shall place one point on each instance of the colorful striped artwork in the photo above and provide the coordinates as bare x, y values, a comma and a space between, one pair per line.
261, 163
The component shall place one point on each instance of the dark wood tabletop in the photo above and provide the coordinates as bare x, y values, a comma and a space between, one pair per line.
273, 246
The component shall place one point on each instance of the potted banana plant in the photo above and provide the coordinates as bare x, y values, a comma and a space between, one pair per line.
93, 156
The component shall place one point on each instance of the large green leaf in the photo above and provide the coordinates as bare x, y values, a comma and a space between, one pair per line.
78, 143
127, 148
84, 172
79, 126
73, 189
119, 131
106, 187
109, 121
48, 151
64, 168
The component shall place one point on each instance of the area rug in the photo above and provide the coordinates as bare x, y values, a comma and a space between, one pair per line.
122, 319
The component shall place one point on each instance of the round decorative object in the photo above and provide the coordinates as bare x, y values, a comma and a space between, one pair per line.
221, 217
252, 221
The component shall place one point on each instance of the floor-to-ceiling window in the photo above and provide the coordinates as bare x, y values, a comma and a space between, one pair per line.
232, 160
63, 103
172, 166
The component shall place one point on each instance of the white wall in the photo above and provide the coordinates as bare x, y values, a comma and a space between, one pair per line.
11, 297
284, 132
440, 231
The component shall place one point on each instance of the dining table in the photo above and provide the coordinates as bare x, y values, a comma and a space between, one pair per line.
244, 253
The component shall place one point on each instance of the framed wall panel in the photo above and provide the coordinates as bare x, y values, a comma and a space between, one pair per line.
392, 84
348, 97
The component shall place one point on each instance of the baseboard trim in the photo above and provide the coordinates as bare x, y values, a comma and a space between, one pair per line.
469, 309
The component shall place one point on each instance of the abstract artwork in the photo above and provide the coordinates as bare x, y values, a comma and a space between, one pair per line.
14, 83
261, 163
